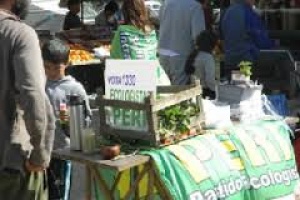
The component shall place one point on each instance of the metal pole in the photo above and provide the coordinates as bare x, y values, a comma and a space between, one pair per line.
82, 12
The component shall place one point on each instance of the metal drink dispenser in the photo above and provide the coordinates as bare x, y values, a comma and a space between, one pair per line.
77, 120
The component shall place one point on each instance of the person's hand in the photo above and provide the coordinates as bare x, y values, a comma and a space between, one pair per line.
33, 168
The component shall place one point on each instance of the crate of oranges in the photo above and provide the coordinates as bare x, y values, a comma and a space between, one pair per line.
79, 56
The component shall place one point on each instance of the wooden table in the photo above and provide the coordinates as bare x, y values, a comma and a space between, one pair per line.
94, 162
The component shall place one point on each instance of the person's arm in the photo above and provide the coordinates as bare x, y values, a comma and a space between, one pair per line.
257, 31
197, 21
261, 39
32, 98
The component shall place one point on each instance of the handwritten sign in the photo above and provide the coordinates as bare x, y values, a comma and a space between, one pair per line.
129, 80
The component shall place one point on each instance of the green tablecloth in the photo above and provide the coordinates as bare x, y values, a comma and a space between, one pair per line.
251, 162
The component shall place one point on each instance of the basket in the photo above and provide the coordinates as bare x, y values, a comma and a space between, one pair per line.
151, 107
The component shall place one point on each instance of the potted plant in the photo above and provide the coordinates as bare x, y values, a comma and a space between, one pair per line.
183, 132
192, 132
175, 121
165, 137
245, 70
182, 125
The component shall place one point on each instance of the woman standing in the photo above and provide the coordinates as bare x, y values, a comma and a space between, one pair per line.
136, 38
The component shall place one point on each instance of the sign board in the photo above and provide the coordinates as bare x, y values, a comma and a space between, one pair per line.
129, 80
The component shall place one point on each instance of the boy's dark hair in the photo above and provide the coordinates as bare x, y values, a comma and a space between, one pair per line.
112, 6
56, 51
206, 42
73, 2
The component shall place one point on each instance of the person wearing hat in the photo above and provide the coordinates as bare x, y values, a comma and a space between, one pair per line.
72, 20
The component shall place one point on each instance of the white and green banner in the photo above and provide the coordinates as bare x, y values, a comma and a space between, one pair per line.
246, 162
253, 162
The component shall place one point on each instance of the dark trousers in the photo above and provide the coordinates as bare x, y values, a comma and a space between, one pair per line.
15, 185
59, 179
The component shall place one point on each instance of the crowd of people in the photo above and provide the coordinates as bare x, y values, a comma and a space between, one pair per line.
33, 84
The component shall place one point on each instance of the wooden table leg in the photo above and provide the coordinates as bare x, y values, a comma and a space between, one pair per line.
150, 191
135, 175
136, 182
102, 184
164, 194
113, 188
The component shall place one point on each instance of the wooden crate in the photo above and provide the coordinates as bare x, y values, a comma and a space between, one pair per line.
176, 95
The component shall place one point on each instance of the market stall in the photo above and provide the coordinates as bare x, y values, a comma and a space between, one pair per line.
191, 169
89, 46
152, 142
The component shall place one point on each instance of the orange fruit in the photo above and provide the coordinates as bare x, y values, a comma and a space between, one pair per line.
83, 57
77, 52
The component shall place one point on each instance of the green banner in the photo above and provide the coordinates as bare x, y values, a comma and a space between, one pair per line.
268, 157
131, 43
246, 162
252, 162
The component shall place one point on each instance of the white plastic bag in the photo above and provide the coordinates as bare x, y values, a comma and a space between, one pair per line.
217, 115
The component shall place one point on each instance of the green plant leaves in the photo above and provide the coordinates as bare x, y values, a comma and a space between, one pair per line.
246, 68
176, 118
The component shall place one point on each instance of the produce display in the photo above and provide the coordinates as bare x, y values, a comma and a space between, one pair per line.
88, 45
174, 115
175, 122
81, 52
79, 55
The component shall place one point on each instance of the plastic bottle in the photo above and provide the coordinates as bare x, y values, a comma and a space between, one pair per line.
64, 118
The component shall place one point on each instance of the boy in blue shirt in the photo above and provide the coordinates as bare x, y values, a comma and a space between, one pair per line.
56, 55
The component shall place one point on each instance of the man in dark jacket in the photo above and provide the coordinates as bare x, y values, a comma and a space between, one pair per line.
244, 34
26, 117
